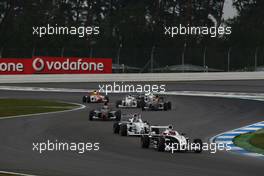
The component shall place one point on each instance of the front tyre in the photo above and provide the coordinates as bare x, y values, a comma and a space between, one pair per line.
161, 144
169, 105
116, 128
107, 99
88, 99
118, 103
91, 115
118, 115
84, 99
144, 141
123, 130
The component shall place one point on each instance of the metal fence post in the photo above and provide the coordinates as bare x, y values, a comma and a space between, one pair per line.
204, 58
1, 51
91, 52
62, 52
33, 52
183, 55
228, 59
152, 59
256, 59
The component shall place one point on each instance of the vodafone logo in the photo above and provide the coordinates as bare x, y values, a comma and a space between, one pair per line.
38, 64
55, 65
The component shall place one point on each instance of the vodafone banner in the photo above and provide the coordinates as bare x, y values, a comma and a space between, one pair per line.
55, 65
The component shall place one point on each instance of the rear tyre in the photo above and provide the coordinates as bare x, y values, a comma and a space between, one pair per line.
107, 99
84, 99
142, 104
118, 115
116, 128
199, 144
91, 114
123, 130
118, 102
169, 105
161, 144
144, 141
88, 100
165, 107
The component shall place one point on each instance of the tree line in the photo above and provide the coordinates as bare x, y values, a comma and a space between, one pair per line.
130, 29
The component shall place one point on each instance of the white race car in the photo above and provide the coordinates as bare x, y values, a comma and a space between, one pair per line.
164, 138
128, 102
134, 126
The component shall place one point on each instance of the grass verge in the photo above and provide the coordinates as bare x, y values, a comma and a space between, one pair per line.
253, 142
15, 107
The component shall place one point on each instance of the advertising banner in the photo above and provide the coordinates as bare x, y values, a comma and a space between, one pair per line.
55, 65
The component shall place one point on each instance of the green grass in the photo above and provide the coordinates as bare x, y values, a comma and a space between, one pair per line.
258, 139
14, 107
253, 142
4, 174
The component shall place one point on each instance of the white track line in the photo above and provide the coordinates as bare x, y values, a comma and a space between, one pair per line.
15, 173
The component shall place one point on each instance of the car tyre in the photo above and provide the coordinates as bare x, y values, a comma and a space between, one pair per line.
107, 99
169, 105
123, 130
91, 114
161, 144
116, 128
144, 141
118, 102
84, 99
88, 100
118, 115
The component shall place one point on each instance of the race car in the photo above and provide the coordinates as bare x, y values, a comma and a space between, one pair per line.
155, 103
95, 97
105, 113
134, 126
164, 138
129, 102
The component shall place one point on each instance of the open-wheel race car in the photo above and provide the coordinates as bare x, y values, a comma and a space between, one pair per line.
95, 97
134, 126
105, 113
129, 101
164, 138
155, 103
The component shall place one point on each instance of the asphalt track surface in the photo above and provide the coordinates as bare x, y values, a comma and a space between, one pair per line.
201, 117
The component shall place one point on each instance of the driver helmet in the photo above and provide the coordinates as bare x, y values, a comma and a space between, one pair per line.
95, 92
105, 106
136, 117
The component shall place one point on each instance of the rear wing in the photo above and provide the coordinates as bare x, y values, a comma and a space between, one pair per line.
130, 115
159, 127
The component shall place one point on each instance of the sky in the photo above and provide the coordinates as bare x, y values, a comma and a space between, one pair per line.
229, 10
